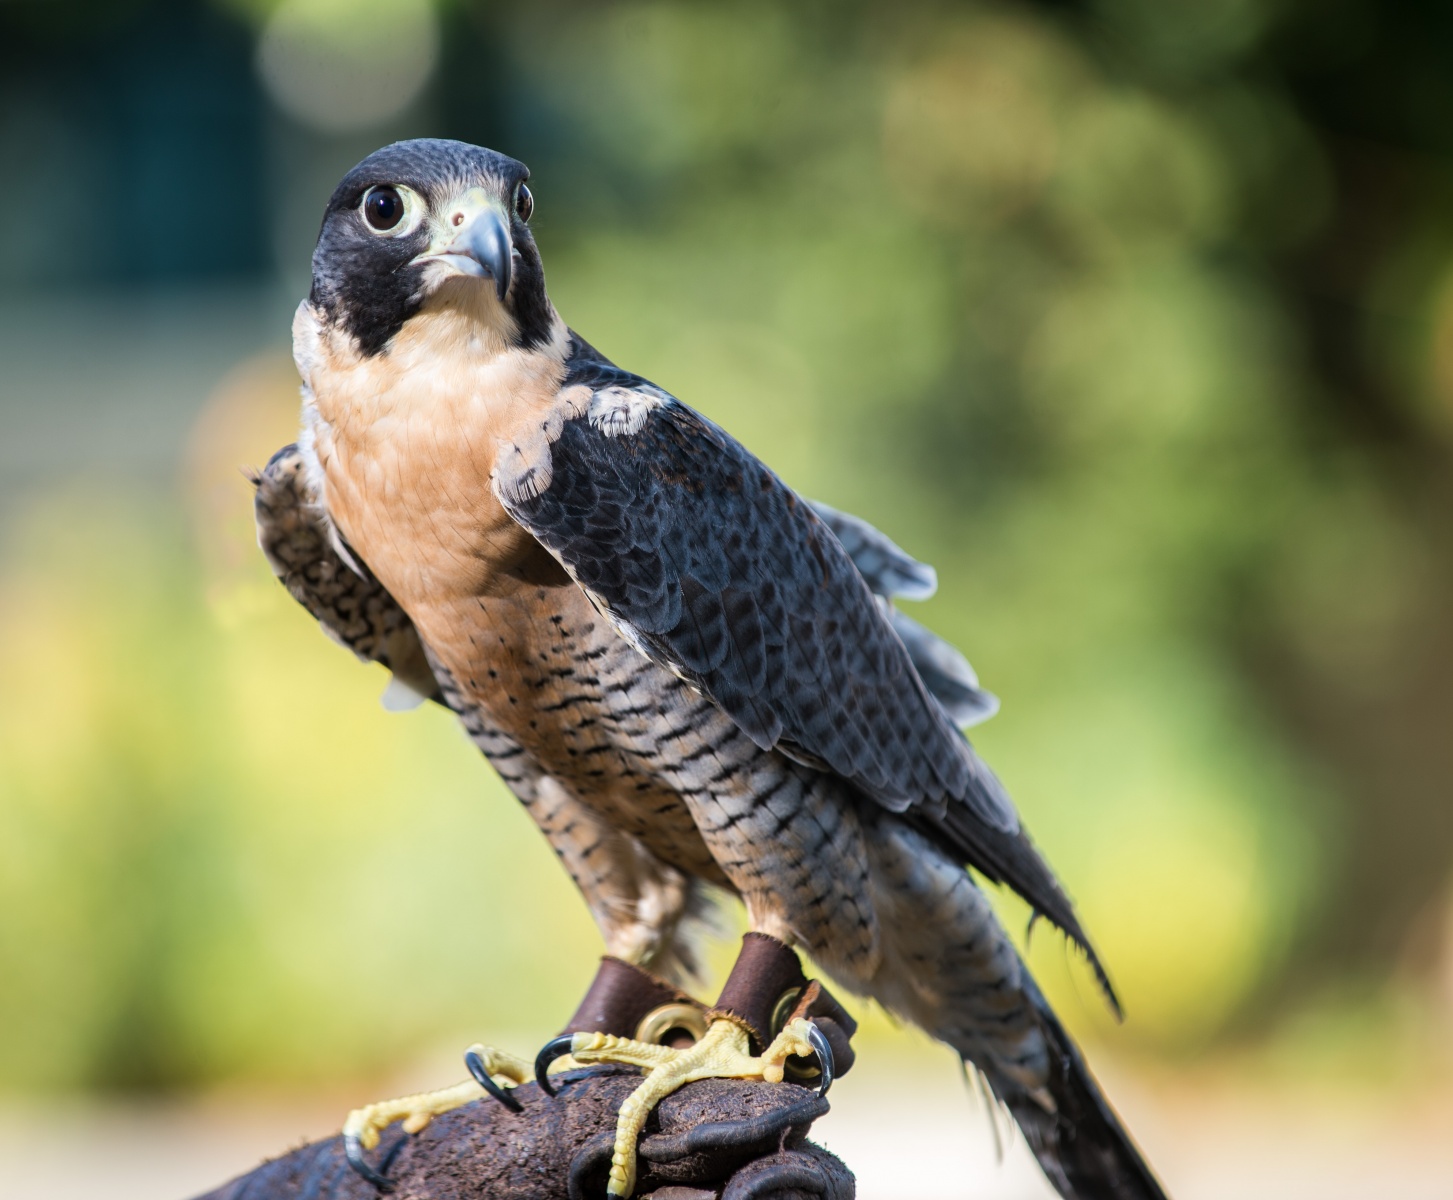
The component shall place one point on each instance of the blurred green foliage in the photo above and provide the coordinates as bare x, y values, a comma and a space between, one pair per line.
1097, 307
221, 858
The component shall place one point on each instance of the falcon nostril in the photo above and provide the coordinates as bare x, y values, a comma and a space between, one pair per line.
458, 219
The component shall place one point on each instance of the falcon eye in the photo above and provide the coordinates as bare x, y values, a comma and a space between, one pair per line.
524, 203
383, 208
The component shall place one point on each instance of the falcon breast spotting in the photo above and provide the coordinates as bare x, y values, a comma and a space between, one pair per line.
694, 680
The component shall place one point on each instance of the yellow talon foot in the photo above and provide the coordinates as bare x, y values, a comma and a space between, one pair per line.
722, 1053
415, 1112
364, 1125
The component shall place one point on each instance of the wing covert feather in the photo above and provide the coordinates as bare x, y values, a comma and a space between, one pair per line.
892, 573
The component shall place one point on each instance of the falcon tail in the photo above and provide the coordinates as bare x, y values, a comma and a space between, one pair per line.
1013, 860
1081, 1146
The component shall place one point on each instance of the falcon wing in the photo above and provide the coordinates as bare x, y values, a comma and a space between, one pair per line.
888, 569
715, 569
353, 607
892, 573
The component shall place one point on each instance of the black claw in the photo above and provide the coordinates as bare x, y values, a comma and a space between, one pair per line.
475, 1064
555, 1048
353, 1151
820, 1045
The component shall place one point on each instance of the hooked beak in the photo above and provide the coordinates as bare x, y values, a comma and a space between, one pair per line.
480, 246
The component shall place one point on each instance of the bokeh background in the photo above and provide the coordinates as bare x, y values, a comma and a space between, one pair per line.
1135, 319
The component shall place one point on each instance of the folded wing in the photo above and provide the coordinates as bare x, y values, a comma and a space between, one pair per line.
715, 569
891, 573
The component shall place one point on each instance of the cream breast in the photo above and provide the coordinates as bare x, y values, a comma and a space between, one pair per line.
404, 444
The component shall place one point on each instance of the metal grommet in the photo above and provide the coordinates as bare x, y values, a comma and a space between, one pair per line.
798, 1070
802, 1070
659, 1022
782, 1011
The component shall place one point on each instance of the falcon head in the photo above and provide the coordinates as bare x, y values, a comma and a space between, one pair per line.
431, 222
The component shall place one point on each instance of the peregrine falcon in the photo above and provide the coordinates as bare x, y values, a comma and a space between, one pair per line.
692, 678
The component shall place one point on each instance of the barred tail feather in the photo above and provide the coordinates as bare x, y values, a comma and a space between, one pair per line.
1081, 1146
949, 967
